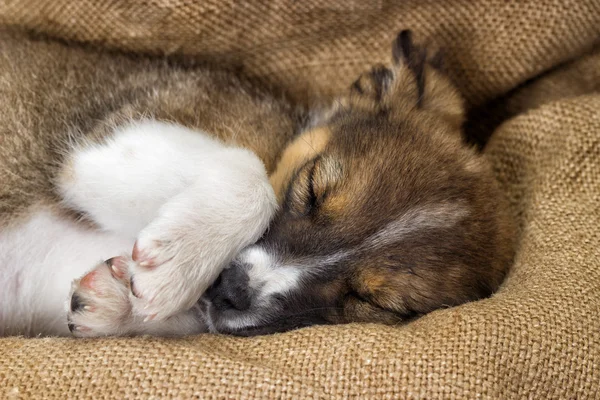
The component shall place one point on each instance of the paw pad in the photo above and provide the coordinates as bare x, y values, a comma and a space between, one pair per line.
100, 300
88, 281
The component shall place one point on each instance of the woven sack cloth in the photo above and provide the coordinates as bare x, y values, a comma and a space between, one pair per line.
531, 76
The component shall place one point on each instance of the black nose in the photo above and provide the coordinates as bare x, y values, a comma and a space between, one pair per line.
231, 291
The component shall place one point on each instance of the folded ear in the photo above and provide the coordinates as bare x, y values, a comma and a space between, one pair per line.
413, 82
418, 70
404, 52
373, 84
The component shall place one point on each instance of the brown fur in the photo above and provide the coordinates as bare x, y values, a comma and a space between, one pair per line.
300, 150
392, 147
392, 144
62, 94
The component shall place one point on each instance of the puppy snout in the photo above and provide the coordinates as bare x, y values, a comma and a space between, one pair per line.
231, 291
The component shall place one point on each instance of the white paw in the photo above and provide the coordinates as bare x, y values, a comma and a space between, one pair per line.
100, 302
199, 232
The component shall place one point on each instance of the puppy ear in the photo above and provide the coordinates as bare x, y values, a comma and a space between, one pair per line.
414, 57
374, 88
414, 82
374, 84
419, 75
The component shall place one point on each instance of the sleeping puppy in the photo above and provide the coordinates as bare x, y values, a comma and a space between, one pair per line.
207, 203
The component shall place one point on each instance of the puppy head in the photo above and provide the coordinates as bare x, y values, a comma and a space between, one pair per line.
385, 214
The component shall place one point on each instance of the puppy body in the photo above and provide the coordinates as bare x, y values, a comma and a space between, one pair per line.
145, 182
91, 157
376, 210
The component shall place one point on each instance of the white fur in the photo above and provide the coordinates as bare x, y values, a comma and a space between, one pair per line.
199, 231
196, 202
38, 261
123, 182
265, 276
109, 310
239, 321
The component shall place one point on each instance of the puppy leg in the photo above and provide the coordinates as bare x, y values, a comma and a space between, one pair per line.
199, 231
199, 201
101, 304
121, 183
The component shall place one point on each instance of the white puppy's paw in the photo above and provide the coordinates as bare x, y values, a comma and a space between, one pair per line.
198, 232
100, 303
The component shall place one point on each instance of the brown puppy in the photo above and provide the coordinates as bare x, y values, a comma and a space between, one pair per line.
383, 212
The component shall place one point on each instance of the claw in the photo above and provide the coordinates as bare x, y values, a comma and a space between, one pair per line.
132, 287
78, 328
118, 267
141, 258
135, 254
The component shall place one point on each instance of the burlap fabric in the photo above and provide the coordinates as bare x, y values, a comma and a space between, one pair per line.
538, 337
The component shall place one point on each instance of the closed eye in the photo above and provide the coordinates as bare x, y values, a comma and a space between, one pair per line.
302, 198
312, 197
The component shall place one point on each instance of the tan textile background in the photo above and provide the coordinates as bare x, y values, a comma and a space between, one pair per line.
319, 46
539, 337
